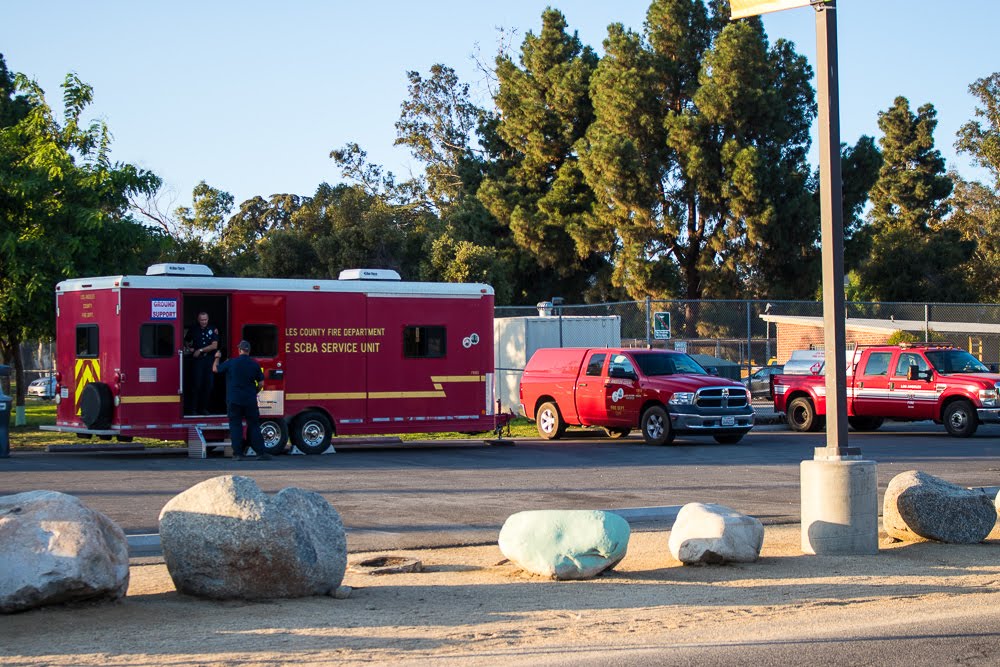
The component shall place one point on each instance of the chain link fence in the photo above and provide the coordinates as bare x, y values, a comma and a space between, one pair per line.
736, 337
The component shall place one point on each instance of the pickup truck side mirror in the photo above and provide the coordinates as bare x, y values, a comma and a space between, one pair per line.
914, 373
993, 368
619, 372
712, 370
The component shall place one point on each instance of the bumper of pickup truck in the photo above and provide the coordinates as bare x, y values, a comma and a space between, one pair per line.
989, 415
707, 423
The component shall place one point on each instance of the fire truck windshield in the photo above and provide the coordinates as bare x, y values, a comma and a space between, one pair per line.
955, 361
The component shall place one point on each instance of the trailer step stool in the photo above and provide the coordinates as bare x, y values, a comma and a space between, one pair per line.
197, 444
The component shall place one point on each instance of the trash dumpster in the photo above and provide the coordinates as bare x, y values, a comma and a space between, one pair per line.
6, 402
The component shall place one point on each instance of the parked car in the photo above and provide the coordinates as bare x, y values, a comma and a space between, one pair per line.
759, 383
43, 387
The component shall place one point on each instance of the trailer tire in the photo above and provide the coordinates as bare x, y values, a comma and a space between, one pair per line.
617, 433
274, 432
311, 432
96, 405
655, 426
960, 419
549, 421
802, 415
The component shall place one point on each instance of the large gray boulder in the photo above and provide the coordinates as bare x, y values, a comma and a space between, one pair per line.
54, 549
225, 538
715, 534
565, 544
920, 507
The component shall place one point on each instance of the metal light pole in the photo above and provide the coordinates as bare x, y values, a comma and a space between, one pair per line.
839, 490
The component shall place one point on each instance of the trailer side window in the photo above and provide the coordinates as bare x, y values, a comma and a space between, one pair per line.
86, 341
424, 342
156, 341
263, 339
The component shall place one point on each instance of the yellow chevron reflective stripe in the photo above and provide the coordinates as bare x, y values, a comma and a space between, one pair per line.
85, 371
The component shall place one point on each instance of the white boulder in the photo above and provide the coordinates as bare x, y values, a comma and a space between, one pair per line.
54, 549
714, 534
565, 544
225, 538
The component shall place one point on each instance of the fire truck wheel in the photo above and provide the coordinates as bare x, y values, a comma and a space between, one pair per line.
865, 423
275, 434
96, 404
617, 433
960, 419
549, 422
655, 426
802, 415
311, 432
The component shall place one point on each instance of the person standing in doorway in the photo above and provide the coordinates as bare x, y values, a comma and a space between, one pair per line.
244, 378
202, 340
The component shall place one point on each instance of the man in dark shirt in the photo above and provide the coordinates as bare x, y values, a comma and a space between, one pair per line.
243, 380
202, 340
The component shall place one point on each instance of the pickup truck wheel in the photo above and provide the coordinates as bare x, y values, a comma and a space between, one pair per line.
549, 422
656, 426
617, 433
728, 439
960, 419
802, 415
865, 423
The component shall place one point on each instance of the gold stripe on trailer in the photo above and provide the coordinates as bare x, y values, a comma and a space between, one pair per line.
326, 397
150, 399
458, 378
406, 394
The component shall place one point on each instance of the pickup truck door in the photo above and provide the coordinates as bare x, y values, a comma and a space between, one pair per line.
590, 403
912, 399
871, 386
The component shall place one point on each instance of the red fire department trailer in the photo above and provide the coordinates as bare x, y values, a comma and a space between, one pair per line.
364, 354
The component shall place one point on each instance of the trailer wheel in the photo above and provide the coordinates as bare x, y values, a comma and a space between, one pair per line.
96, 405
311, 432
656, 426
865, 423
274, 431
549, 422
960, 419
802, 415
617, 433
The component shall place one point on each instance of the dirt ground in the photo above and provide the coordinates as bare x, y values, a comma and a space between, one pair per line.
469, 606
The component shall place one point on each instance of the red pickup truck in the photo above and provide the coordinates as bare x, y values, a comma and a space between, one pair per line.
908, 382
662, 392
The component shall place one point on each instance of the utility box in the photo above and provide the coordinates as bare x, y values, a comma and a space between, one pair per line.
517, 338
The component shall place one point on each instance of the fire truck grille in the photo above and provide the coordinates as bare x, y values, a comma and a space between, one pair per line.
721, 397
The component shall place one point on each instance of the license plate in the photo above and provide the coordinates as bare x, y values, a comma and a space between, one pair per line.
729, 421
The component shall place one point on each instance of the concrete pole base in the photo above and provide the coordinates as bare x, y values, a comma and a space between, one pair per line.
839, 507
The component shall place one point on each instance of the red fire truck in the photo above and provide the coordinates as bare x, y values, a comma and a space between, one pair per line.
364, 354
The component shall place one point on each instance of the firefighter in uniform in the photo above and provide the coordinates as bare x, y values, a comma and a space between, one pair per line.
203, 341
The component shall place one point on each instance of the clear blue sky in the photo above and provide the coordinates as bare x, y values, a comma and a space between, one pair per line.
252, 96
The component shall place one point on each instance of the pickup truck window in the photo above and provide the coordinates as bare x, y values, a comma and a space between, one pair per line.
620, 361
668, 364
907, 359
878, 363
955, 361
596, 365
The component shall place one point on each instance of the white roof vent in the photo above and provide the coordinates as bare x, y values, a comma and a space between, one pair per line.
179, 270
368, 274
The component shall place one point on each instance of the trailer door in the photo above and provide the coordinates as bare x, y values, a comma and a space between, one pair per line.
260, 320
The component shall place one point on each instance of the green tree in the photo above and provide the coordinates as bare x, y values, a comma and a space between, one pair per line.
914, 254
536, 187
63, 208
976, 206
